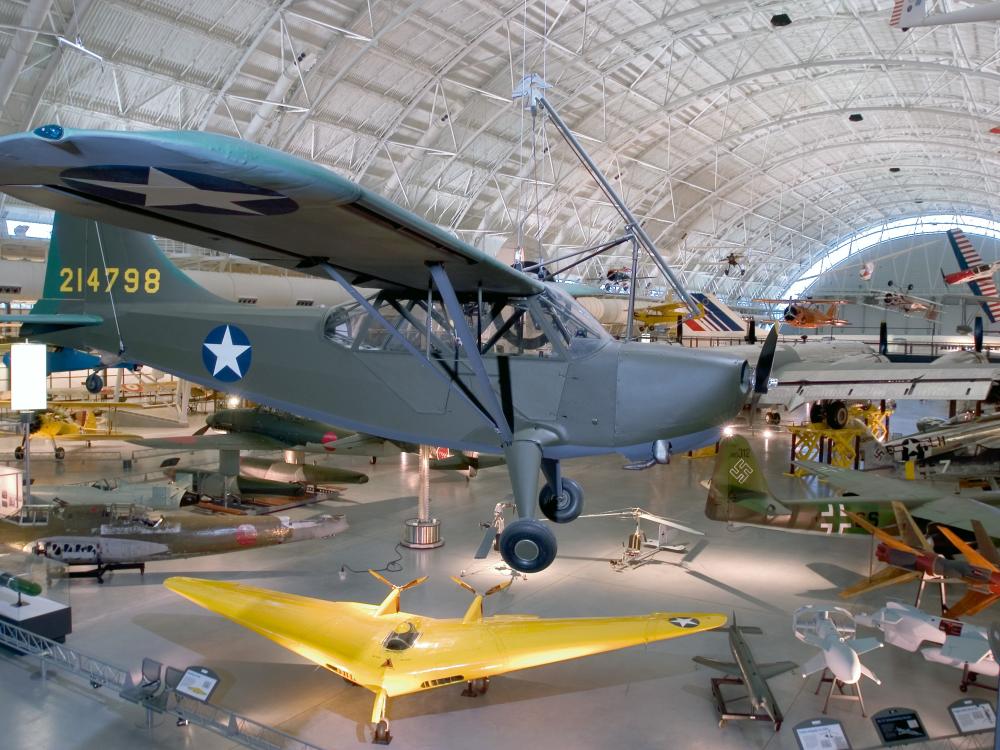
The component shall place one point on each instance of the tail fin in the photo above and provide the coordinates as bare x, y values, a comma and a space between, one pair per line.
737, 478
716, 318
907, 13
92, 266
966, 255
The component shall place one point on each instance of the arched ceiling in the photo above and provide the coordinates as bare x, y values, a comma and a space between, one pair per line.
723, 132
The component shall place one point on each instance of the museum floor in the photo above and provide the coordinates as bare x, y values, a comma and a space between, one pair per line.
637, 698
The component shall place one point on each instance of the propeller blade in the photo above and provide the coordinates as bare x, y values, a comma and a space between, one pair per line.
414, 582
202, 430
765, 362
499, 587
464, 585
382, 578
672, 524
977, 334
883, 338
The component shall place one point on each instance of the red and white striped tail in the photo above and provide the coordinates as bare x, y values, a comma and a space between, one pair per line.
897, 13
969, 257
966, 248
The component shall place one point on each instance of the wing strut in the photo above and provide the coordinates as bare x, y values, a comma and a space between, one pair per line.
488, 412
471, 345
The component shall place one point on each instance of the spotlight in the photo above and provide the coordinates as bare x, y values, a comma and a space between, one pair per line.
779, 20
232, 402
728, 431
856, 117
768, 434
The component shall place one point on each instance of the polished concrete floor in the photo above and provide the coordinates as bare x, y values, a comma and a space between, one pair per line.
637, 698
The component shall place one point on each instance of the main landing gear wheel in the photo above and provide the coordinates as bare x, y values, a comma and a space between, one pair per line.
382, 734
836, 415
94, 383
19, 453
527, 545
817, 413
564, 507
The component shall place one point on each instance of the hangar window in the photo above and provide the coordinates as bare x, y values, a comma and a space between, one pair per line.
852, 245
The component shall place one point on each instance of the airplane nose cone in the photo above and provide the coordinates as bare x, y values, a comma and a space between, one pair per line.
844, 663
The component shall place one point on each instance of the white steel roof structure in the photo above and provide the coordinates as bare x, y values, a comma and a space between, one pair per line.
723, 131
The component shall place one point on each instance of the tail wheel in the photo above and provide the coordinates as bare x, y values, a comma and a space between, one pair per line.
94, 383
382, 734
836, 415
564, 507
19, 453
60, 453
528, 546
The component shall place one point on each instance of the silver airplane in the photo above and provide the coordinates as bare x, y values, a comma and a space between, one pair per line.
754, 677
454, 349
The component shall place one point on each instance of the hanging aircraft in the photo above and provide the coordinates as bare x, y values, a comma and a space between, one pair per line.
453, 349
61, 359
902, 302
974, 272
867, 270
394, 653
734, 262
808, 313
911, 557
72, 421
739, 494
908, 14
103, 538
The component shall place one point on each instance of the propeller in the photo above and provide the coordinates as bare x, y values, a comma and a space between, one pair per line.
751, 337
638, 514
489, 592
883, 338
203, 430
977, 333
762, 372
394, 587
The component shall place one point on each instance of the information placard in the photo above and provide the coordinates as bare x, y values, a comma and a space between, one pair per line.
897, 726
821, 734
972, 715
198, 683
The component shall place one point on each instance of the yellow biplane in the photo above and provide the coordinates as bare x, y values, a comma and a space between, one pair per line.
73, 421
664, 314
395, 653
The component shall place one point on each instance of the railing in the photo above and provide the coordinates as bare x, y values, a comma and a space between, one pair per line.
224, 722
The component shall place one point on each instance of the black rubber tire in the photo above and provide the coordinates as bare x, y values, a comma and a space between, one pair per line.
817, 413
60, 453
19, 453
94, 383
836, 415
564, 508
535, 532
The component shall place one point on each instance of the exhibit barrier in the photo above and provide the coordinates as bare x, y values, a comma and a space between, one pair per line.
224, 722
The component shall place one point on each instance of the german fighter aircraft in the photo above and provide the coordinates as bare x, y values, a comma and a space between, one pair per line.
393, 653
453, 349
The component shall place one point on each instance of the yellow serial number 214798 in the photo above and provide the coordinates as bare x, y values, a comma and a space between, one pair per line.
131, 280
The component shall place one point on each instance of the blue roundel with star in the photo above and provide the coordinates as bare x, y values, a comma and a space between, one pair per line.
226, 353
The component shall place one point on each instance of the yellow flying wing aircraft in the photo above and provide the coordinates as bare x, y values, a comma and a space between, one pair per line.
394, 653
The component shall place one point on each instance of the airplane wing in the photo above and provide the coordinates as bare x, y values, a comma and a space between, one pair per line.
870, 484
244, 441
968, 650
885, 577
89, 436
266, 205
864, 645
799, 382
773, 669
958, 512
726, 667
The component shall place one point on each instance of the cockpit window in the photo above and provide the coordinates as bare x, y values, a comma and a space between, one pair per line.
550, 324
402, 638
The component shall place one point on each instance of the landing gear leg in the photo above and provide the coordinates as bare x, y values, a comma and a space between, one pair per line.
382, 735
526, 545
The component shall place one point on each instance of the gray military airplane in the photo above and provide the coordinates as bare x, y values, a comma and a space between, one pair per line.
745, 670
453, 349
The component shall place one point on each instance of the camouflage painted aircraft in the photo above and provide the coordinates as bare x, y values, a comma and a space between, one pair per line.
110, 537
394, 653
739, 494
453, 349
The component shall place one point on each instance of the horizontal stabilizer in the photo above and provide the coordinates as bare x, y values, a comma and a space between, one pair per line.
870, 675
54, 321
966, 650
726, 667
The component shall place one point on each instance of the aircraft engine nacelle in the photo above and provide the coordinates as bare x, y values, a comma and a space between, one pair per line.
75, 550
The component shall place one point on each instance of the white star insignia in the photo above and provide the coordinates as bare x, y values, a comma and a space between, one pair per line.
163, 190
226, 354
684, 622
